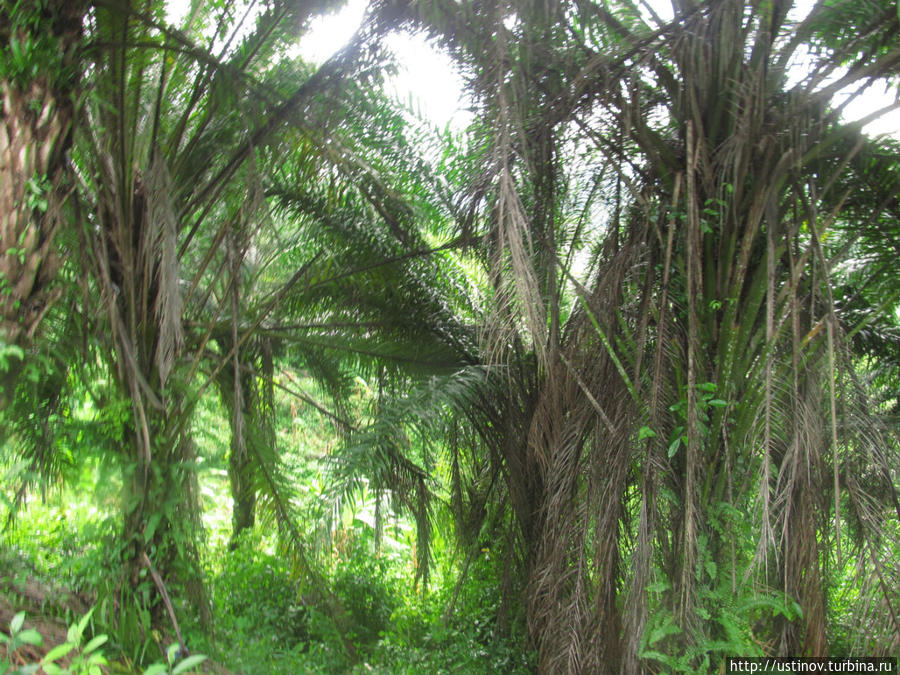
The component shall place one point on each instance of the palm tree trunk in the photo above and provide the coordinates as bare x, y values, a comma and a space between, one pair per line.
38, 89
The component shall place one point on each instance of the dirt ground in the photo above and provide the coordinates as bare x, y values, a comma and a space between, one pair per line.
43, 605
33, 599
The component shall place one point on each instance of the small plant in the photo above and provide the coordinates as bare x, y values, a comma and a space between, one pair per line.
257, 594
362, 582
705, 402
173, 666
18, 638
38, 188
86, 660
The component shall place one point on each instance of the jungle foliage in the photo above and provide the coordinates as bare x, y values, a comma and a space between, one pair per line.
607, 382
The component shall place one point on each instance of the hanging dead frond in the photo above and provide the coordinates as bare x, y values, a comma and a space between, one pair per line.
162, 237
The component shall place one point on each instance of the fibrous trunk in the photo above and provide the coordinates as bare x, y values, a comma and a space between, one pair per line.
38, 108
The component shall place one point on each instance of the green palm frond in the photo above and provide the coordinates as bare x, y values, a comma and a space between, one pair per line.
395, 451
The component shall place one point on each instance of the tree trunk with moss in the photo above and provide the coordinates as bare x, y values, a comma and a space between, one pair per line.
38, 87
38, 84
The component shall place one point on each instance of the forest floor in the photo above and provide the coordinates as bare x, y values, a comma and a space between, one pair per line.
50, 610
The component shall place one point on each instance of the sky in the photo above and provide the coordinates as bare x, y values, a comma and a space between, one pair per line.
428, 78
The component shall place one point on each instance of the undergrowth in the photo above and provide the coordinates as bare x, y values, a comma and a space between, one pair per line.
263, 619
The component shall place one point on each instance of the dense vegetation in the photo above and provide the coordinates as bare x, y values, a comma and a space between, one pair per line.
608, 382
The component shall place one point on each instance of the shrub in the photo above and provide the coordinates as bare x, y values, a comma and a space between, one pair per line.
256, 597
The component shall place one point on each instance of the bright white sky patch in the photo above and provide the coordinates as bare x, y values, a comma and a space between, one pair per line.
426, 81
872, 99
330, 32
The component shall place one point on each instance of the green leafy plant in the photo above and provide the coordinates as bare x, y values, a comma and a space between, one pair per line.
173, 665
126, 617
37, 189
362, 581
18, 637
255, 594
470, 638
705, 402
85, 660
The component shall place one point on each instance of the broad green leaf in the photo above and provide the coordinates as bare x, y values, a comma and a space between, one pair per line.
189, 662
152, 524
16, 624
58, 652
93, 644
673, 447
77, 630
30, 637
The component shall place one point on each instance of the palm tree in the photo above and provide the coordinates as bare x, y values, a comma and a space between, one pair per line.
39, 82
168, 171
663, 300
